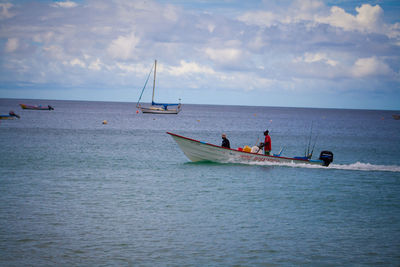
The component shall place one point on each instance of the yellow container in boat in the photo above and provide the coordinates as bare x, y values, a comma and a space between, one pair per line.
247, 149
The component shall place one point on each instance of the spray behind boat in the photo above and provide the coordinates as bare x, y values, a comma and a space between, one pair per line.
325, 156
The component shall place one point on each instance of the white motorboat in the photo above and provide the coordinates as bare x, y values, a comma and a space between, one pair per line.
198, 151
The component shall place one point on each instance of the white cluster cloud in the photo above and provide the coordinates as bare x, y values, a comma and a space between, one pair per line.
371, 66
187, 68
124, 47
95, 65
11, 45
64, 4
225, 55
368, 18
316, 57
5, 11
77, 62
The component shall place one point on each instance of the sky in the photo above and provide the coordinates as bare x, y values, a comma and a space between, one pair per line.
305, 53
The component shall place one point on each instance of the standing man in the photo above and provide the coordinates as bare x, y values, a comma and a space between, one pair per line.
267, 143
225, 141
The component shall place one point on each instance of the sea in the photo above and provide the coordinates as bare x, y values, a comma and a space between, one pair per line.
77, 192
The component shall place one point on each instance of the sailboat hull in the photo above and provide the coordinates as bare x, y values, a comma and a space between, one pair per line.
198, 151
157, 110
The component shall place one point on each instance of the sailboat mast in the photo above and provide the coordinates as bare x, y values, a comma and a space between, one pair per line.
154, 81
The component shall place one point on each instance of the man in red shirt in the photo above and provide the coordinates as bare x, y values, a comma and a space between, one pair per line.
267, 143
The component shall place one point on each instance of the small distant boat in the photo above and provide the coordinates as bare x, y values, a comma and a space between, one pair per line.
157, 108
396, 117
10, 116
198, 151
39, 107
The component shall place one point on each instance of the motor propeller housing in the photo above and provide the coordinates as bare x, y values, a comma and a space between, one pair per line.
326, 157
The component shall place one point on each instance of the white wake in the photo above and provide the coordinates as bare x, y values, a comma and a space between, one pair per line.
358, 166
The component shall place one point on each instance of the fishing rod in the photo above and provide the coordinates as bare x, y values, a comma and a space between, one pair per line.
309, 141
312, 151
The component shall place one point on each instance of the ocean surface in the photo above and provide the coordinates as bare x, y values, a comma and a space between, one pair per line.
75, 192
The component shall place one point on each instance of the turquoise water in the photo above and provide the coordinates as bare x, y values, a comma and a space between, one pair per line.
75, 192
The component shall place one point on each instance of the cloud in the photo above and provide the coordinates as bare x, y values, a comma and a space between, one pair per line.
320, 66
5, 11
297, 11
141, 70
224, 56
65, 4
259, 18
54, 52
316, 57
371, 66
368, 19
189, 68
170, 13
95, 65
124, 47
11, 45
77, 62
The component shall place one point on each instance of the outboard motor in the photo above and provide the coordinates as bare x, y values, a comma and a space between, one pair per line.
326, 157
11, 113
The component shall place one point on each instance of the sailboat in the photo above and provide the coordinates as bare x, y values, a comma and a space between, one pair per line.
157, 108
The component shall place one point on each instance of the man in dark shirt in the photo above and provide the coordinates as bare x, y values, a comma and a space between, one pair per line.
225, 141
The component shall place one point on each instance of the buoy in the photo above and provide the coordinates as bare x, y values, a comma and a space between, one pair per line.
104, 122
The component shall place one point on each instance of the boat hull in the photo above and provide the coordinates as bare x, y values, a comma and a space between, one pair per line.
198, 151
23, 106
159, 110
7, 117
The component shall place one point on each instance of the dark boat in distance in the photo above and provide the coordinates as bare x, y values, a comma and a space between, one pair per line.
10, 116
39, 107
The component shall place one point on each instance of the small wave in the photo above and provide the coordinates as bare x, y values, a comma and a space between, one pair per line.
358, 166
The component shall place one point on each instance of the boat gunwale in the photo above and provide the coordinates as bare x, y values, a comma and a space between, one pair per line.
254, 154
